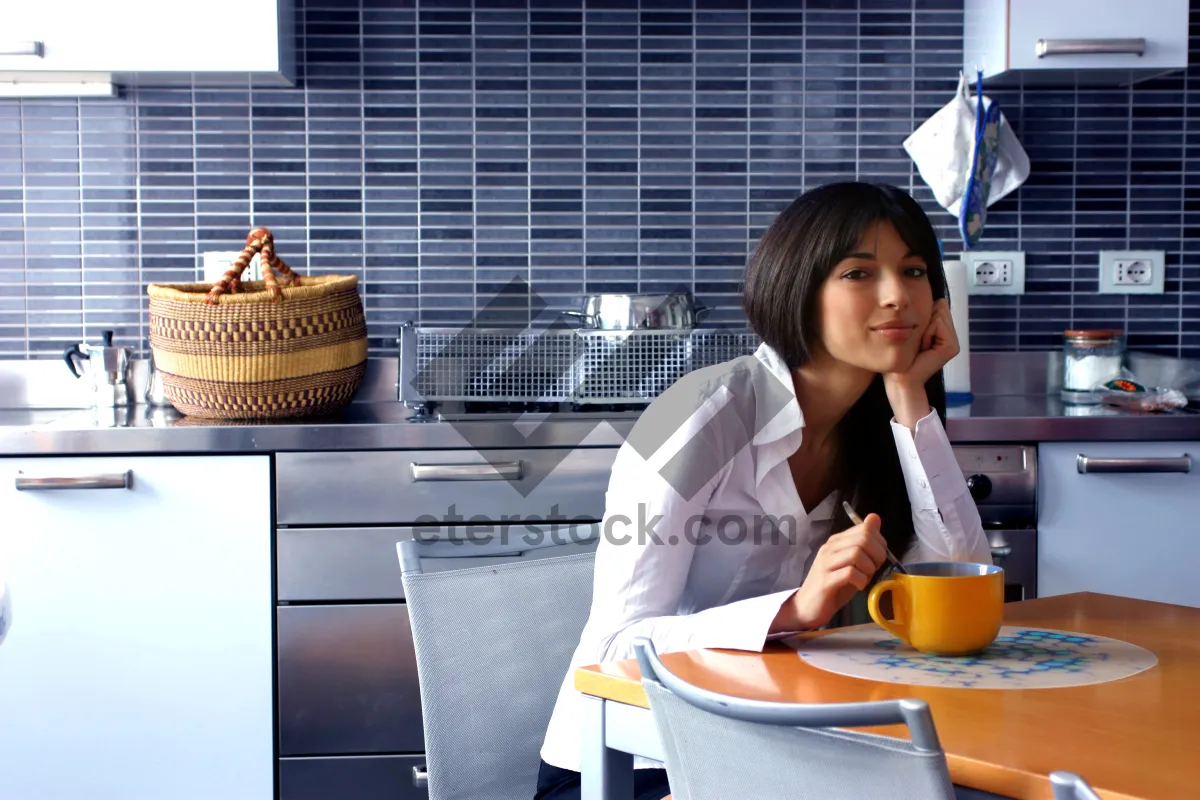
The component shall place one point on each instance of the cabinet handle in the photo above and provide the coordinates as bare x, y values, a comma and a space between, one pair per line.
1087, 464
421, 776
506, 471
1090, 47
118, 480
35, 49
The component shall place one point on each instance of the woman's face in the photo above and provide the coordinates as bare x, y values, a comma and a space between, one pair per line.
876, 303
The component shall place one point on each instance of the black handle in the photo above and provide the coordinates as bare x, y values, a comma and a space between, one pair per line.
107, 337
69, 355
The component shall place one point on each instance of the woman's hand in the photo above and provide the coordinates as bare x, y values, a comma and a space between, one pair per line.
843, 567
906, 390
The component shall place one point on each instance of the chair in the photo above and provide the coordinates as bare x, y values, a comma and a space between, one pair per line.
1069, 786
494, 627
715, 745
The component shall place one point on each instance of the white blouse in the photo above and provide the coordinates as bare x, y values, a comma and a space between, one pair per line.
704, 535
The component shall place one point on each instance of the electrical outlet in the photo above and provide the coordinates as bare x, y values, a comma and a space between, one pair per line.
998, 272
994, 273
1132, 271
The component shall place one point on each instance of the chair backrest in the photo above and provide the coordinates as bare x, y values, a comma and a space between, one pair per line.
494, 633
716, 745
1069, 786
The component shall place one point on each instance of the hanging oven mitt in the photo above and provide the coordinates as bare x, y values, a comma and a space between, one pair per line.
943, 145
943, 148
973, 210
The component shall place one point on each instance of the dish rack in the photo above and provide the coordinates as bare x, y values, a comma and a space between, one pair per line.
556, 364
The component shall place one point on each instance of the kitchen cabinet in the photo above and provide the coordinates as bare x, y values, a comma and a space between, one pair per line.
358, 777
147, 42
139, 661
1113, 42
1119, 518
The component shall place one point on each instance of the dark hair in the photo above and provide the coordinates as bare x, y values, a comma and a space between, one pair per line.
783, 278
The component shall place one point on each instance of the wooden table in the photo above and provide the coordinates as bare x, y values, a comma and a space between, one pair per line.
1133, 739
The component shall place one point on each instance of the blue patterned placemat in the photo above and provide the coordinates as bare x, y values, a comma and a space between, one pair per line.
1019, 658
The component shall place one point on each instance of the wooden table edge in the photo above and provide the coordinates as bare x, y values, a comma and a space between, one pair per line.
1003, 780
974, 774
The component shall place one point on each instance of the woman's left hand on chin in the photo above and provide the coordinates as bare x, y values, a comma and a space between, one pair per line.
906, 390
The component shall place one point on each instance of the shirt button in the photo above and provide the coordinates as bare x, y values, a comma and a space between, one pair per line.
912, 453
924, 485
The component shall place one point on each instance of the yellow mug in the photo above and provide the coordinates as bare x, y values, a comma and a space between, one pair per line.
943, 608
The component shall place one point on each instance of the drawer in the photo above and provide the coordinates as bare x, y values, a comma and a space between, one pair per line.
1122, 521
443, 487
347, 681
322, 564
350, 778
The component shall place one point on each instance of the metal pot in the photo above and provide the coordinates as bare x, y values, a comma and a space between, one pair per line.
626, 312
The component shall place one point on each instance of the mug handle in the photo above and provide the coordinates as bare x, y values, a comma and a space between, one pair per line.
895, 627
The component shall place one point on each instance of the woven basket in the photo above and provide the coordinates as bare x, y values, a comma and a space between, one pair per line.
286, 346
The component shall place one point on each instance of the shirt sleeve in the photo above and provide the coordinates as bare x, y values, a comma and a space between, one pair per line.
654, 508
945, 518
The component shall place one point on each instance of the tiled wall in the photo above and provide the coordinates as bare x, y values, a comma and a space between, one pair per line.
439, 151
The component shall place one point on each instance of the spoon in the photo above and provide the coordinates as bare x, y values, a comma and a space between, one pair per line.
857, 520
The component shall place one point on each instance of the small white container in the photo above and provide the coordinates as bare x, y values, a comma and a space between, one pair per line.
1090, 359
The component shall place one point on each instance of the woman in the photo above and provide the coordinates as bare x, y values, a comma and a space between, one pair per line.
723, 523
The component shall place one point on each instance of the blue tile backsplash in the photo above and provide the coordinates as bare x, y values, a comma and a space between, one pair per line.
440, 149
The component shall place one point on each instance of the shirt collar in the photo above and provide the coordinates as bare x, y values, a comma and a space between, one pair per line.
771, 422
774, 425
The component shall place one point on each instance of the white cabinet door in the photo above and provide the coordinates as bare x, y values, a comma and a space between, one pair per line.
129, 36
1118, 528
138, 664
1085, 40
1162, 23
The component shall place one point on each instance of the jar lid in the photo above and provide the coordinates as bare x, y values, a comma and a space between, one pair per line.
1093, 334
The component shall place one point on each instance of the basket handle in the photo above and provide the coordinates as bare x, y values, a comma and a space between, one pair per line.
260, 240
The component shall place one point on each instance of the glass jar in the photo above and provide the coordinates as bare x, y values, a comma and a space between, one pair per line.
1090, 359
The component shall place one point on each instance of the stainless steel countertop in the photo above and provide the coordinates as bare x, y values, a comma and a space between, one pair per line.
1017, 400
388, 425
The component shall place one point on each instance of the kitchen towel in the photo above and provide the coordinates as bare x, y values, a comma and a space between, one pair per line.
957, 371
943, 148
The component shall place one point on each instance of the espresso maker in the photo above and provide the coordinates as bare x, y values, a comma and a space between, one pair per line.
106, 369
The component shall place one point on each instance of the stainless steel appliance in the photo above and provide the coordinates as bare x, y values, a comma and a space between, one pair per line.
1003, 480
106, 369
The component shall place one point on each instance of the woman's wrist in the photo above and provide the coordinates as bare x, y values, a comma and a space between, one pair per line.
786, 618
790, 616
910, 403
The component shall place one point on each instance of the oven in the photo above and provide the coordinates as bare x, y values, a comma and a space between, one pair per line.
1002, 478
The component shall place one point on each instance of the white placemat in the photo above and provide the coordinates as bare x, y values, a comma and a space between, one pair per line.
1019, 658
